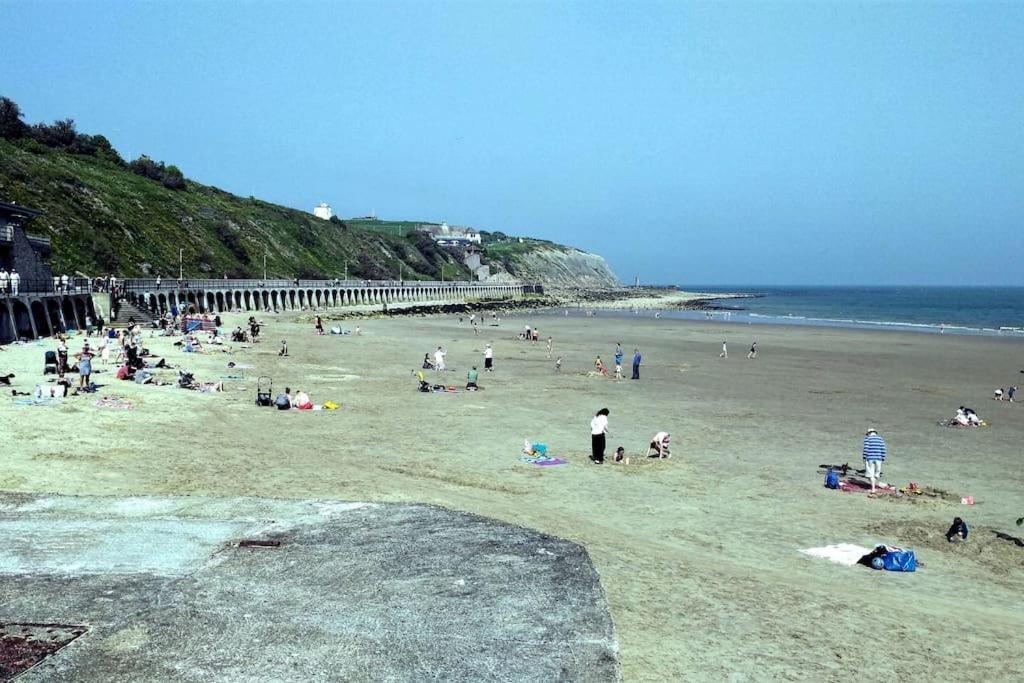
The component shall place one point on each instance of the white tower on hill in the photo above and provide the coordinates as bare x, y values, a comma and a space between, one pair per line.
323, 211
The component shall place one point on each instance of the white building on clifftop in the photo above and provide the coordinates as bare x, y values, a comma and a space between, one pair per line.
323, 211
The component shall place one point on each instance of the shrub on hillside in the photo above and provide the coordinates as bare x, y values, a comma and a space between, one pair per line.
11, 125
170, 176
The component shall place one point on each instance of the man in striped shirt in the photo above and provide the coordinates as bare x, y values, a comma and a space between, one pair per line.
874, 456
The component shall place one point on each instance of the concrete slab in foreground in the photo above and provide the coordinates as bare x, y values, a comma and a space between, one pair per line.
352, 592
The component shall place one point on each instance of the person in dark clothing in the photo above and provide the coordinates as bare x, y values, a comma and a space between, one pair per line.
636, 363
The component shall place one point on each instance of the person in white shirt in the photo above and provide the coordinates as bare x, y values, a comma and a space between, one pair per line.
3, 280
488, 359
15, 282
439, 360
64, 283
598, 432
659, 447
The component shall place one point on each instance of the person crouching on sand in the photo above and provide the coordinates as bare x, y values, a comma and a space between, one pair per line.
284, 348
659, 447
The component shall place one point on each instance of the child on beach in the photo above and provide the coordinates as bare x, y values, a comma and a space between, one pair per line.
725, 352
558, 364
550, 342
284, 348
753, 351
620, 456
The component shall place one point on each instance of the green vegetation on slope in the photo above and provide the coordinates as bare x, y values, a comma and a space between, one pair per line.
104, 215
104, 218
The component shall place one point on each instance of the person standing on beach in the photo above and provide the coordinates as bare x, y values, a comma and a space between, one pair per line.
753, 351
439, 359
874, 456
319, 326
725, 351
550, 344
637, 358
598, 432
618, 363
488, 359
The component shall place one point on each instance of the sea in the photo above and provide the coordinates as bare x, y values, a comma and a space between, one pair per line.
994, 311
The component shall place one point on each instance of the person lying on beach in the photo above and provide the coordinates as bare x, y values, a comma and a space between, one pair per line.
5, 380
659, 446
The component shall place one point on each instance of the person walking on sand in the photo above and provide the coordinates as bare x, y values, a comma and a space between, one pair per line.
319, 326
874, 456
637, 358
558, 364
725, 351
753, 351
550, 345
598, 433
488, 359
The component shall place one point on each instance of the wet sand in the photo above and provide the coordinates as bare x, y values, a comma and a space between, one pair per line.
699, 554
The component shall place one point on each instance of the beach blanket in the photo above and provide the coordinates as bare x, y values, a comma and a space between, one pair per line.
845, 554
193, 324
543, 461
857, 486
115, 403
46, 401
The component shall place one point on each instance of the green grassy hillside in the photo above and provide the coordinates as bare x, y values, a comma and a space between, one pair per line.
103, 217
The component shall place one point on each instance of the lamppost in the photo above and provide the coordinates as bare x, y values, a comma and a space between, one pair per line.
181, 267
346, 270
264, 266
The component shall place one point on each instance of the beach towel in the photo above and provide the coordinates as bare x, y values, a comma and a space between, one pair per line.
856, 486
543, 461
114, 403
845, 554
47, 401
331, 405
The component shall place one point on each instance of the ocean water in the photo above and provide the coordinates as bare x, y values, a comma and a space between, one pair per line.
946, 310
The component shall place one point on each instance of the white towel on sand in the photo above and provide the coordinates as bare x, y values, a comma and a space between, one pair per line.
845, 554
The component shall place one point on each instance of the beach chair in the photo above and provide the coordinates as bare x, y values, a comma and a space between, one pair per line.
50, 363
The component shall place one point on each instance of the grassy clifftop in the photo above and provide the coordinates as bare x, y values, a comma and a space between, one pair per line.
102, 217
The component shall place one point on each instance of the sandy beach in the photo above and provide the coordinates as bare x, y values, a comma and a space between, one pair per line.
699, 554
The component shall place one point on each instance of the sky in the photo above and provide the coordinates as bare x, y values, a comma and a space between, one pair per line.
746, 143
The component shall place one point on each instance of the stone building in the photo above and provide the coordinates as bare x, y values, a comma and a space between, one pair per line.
22, 252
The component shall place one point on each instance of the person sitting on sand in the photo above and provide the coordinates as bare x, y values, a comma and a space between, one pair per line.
284, 401
471, 378
302, 401
424, 384
599, 367
620, 456
427, 365
125, 372
284, 348
659, 447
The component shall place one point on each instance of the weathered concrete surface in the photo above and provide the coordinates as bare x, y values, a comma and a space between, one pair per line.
354, 592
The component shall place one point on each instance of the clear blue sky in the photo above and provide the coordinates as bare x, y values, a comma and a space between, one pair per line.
821, 143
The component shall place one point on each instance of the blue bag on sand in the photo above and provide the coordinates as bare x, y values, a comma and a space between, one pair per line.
540, 449
832, 480
900, 561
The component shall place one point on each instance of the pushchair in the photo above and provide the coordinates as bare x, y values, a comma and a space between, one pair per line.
264, 392
50, 367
